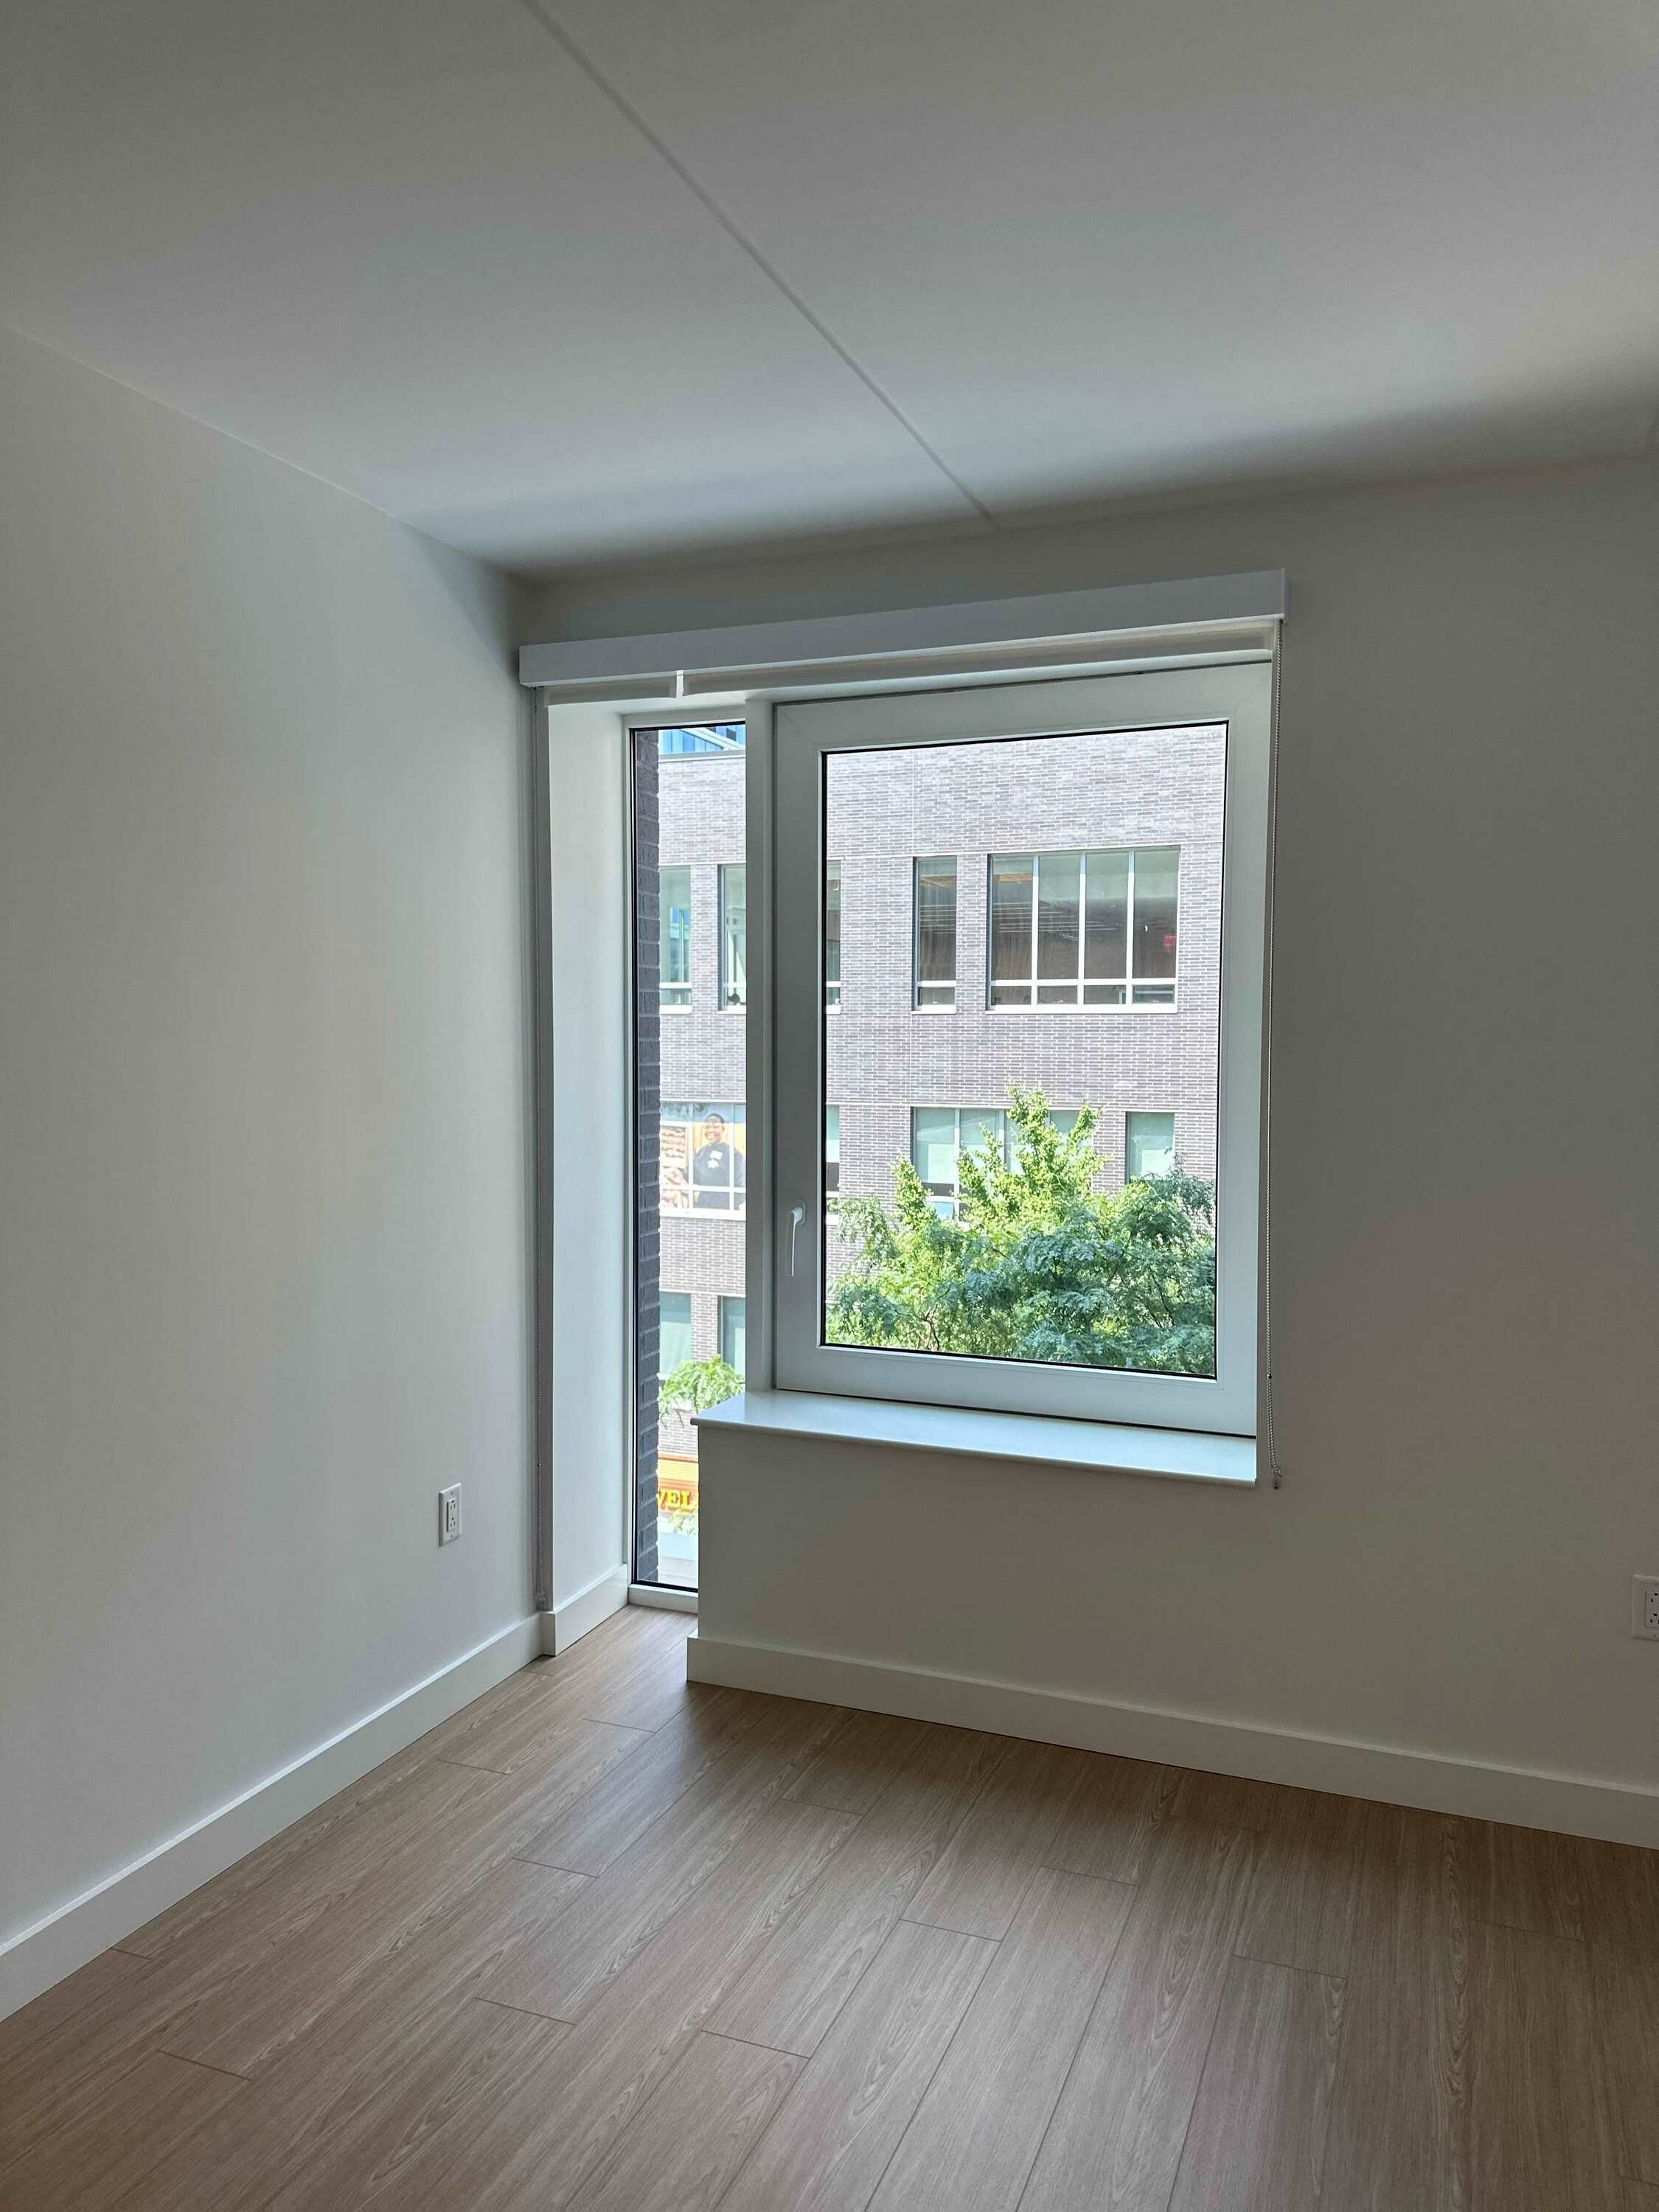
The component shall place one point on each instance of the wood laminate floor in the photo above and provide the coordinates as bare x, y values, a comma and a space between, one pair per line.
609, 1942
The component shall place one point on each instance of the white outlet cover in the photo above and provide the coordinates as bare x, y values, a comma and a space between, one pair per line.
449, 1514
1644, 1607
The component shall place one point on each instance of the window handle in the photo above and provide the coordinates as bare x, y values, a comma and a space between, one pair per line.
797, 1215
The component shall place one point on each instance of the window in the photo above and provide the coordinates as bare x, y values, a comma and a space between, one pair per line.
674, 895
832, 936
702, 1158
674, 1329
688, 799
940, 1134
1148, 1145
734, 936
1083, 929
1101, 811
733, 1333
831, 1153
935, 910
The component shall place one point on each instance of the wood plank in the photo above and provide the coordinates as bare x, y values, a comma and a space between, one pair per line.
1541, 2131
1111, 1827
971, 2143
541, 2143
536, 1734
1398, 2133
866, 1754
1227, 1801
329, 2094
1525, 1878
46, 2016
1626, 1989
591, 1832
1620, 1895
1257, 2138
476, 2054
1306, 1891
831, 2142
1117, 2132
791, 1993
242, 2024
683, 2152
564, 1970
99, 2153
977, 1885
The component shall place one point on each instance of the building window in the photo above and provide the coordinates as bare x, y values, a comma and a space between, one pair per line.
935, 927
831, 1154
1109, 813
674, 1330
733, 1333
702, 1158
734, 935
1148, 1145
706, 740
832, 936
940, 1134
674, 923
1083, 929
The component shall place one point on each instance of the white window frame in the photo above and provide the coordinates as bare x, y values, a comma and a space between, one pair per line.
1239, 696
688, 1004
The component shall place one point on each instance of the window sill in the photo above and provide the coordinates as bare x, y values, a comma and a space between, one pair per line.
1179, 1455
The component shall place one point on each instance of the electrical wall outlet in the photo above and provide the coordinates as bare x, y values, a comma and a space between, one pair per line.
449, 1514
1644, 1607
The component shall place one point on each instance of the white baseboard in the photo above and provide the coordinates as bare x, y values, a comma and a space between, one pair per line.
594, 1603
1575, 1805
38, 1956
658, 1595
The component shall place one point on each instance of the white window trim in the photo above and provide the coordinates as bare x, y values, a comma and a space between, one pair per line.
1240, 696
918, 1006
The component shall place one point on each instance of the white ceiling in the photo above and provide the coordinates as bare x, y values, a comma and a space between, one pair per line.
570, 282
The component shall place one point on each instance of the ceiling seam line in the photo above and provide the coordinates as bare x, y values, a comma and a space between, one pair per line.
561, 37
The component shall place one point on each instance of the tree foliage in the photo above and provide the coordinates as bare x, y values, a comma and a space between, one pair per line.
696, 1384
1037, 1265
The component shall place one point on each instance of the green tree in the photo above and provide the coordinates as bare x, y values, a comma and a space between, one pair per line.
1037, 1265
696, 1384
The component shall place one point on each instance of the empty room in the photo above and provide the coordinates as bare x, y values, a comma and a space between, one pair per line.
828, 1244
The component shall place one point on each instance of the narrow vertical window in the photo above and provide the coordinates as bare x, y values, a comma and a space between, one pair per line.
831, 1153
676, 939
688, 1118
734, 935
1149, 1146
1013, 897
935, 907
832, 936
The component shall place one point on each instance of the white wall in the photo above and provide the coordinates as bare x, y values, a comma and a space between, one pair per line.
1466, 1229
588, 1127
263, 1120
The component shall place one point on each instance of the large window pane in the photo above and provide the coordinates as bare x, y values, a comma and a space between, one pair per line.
1045, 1248
734, 935
936, 932
689, 787
675, 966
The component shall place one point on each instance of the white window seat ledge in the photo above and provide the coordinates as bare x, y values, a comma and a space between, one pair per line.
1183, 1455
